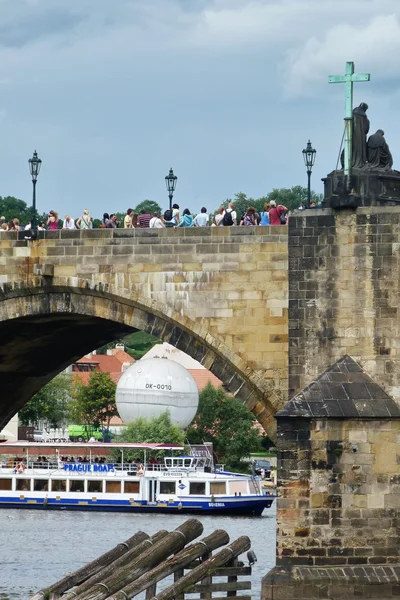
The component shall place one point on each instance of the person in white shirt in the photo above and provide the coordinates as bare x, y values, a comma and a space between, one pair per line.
202, 218
156, 222
68, 223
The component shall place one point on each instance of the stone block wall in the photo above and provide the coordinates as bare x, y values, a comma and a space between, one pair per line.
339, 487
344, 291
217, 289
338, 510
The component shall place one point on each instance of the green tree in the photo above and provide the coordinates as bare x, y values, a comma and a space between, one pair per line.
149, 206
290, 197
151, 431
49, 404
293, 197
94, 404
224, 421
136, 344
12, 208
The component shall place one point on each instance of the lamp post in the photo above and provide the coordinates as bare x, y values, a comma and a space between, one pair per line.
170, 182
34, 167
309, 159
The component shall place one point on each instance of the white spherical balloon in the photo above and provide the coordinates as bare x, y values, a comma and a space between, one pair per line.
151, 386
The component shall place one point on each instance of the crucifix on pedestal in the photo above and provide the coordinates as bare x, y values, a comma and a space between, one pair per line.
348, 79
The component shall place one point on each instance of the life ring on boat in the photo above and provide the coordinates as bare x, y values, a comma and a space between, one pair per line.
140, 470
20, 467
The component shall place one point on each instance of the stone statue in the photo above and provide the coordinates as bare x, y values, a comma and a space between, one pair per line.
360, 130
378, 153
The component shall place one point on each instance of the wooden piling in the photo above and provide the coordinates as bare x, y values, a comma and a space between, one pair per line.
82, 574
188, 582
172, 543
175, 564
130, 555
138, 566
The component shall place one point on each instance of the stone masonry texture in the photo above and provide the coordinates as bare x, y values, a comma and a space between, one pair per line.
344, 291
338, 438
219, 294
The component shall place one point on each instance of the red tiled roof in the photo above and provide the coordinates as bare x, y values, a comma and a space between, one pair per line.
202, 377
122, 356
105, 363
84, 376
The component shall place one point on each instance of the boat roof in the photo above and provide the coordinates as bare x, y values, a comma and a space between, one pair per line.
88, 445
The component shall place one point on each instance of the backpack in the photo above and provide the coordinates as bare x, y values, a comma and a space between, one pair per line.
168, 215
227, 220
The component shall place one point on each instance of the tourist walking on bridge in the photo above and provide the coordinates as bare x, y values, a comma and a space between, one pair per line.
128, 219
187, 219
277, 213
201, 220
85, 221
144, 219
52, 220
68, 223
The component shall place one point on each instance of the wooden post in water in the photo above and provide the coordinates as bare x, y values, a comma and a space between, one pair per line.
82, 574
175, 564
119, 562
173, 542
187, 584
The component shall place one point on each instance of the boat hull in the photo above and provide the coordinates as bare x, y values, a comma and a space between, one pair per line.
250, 506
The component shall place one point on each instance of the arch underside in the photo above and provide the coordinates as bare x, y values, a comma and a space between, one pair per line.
43, 330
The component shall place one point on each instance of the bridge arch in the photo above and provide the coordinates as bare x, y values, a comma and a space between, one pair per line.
47, 327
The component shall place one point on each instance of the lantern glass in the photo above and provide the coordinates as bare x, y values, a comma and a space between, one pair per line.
34, 166
309, 155
170, 181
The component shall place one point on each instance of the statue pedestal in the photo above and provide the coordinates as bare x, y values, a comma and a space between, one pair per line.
367, 188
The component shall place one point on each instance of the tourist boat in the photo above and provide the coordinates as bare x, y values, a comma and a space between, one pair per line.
70, 476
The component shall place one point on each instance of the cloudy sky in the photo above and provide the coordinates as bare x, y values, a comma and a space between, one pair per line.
112, 93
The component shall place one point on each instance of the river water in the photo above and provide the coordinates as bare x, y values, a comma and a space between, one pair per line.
39, 547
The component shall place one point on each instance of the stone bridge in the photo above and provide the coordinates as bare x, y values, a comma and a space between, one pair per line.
219, 294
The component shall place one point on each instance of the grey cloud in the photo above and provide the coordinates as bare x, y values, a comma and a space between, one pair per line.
135, 86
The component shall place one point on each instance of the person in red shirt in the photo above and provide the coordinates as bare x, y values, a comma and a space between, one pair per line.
275, 213
144, 219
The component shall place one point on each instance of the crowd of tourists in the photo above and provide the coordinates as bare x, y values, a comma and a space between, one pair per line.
272, 214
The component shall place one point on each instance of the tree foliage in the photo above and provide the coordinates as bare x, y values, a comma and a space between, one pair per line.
94, 404
224, 421
149, 206
151, 431
292, 198
12, 208
49, 404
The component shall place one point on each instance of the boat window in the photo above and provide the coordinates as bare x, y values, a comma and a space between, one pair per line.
113, 487
217, 487
23, 485
76, 485
167, 487
5, 484
95, 485
188, 462
40, 485
168, 462
58, 485
238, 487
197, 487
132, 487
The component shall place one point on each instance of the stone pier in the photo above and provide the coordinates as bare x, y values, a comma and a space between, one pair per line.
339, 487
338, 438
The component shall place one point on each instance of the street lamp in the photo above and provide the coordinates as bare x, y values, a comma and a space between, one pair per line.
170, 182
34, 167
309, 160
